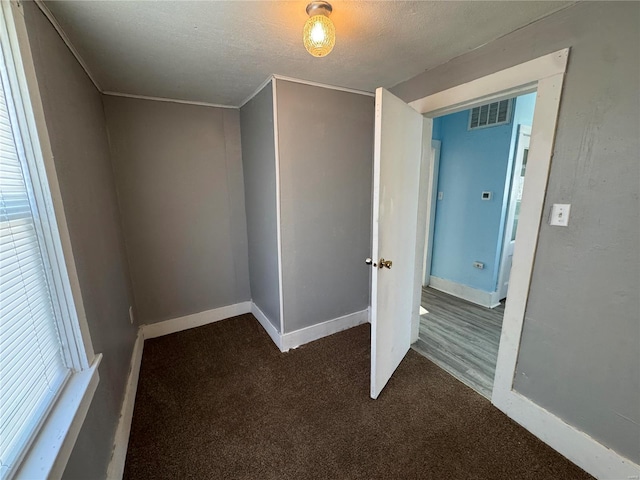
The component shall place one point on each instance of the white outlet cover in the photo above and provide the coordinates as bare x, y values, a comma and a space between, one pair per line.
560, 214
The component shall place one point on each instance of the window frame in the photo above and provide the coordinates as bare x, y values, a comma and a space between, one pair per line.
47, 452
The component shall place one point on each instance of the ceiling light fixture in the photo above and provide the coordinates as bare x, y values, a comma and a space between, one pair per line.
319, 34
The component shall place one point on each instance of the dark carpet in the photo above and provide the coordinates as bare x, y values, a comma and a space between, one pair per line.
221, 402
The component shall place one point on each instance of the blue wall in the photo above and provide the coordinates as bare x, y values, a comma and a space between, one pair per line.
467, 228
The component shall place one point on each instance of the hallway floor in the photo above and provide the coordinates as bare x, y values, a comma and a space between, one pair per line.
222, 402
461, 338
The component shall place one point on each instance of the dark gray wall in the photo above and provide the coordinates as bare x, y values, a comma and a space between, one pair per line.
75, 121
259, 164
326, 162
579, 355
178, 173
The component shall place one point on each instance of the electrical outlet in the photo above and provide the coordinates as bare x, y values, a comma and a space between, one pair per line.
478, 265
131, 314
440, 195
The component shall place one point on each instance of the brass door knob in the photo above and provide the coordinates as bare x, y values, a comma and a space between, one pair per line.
385, 263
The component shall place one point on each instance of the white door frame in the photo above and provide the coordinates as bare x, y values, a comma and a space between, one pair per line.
432, 192
523, 132
546, 75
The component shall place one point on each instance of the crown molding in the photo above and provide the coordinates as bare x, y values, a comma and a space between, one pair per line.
170, 100
275, 77
324, 85
54, 22
47, 13
256, 91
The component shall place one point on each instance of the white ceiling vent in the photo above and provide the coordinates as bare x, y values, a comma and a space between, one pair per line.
490, 115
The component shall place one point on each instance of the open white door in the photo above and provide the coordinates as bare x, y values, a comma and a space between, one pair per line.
396, 175
513, 212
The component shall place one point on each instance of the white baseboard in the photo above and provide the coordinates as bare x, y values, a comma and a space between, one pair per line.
271, 330
287, 341
153, 330
470, 294
590, 455
121, 441
314, 332
580, 448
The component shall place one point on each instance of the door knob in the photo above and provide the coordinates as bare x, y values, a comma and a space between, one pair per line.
385, 263
369, 261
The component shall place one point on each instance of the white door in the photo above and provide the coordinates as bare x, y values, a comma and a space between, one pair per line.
396, 172
515, 198
434, 170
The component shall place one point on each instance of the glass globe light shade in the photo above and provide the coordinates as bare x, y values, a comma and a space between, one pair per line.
319, 35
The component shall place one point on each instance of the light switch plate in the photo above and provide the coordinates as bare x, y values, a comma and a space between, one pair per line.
560, 214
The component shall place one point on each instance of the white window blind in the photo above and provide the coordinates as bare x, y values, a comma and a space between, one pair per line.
32, 369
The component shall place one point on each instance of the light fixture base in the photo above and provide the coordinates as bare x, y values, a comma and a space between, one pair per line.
319, 8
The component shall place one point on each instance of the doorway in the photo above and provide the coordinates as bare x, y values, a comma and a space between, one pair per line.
480, 156
402, 170
545, 75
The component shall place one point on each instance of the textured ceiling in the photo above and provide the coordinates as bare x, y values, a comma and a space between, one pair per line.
221, 51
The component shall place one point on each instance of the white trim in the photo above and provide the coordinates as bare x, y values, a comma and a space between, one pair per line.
33, 128
577, 446
287, 341
49, 453
275, 77
470, 294
47, 13
314, 332
291, 340
276, 140
54, 22
432, 193
170, 100
256, 91
121, 440
531, 208
323, 85
427, 162
506, 83
546, 75
271, 330
153, 330
523, 136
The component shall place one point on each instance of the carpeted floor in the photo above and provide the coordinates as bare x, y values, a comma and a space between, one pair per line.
221, 402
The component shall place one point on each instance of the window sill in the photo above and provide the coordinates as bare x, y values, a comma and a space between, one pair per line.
48, 455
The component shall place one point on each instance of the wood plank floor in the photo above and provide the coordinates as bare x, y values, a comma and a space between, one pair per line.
461, 338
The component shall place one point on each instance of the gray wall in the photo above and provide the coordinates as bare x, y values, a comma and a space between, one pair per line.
259, 164
75, 120
178, 173
579, 355
326, 162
